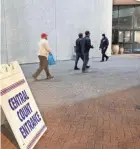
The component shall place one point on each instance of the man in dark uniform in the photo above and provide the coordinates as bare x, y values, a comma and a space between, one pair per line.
86, 46
78, 51
103, 46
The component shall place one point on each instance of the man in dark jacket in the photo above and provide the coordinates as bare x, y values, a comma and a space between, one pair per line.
103, 46
86, 46
78, 51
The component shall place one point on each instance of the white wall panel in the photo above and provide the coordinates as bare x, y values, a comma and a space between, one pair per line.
61, 19
72, 17
103, 17
78, 16
25, 21
3, 51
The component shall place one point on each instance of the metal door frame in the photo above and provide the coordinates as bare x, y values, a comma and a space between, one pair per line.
131, 38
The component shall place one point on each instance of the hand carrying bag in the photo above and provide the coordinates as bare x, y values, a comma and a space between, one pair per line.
51, 60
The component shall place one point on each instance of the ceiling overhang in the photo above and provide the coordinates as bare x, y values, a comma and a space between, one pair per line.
126, 2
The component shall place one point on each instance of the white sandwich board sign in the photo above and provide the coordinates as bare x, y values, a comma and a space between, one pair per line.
20, 107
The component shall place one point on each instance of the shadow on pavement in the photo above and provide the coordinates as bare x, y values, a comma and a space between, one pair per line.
8, 138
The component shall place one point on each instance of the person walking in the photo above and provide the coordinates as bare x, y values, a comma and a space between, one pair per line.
78, 51
44, 51
86, 46
103, 46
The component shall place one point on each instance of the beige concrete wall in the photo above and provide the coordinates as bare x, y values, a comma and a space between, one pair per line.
125, 2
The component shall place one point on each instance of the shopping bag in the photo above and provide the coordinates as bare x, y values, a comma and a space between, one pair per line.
51, 60
19, 106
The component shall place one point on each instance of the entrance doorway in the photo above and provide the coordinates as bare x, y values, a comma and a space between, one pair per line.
126, 27
136, 43
130, 40
126, 40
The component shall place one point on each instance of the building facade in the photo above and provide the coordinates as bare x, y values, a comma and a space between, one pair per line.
24, 21
126, 26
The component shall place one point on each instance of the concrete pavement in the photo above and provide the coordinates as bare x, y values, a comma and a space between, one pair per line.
70, 86
98, 110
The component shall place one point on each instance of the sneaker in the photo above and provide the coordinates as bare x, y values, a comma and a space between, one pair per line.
84, 71
35, 79
50, 77
76, 68
101, 61
88, 67
107, 58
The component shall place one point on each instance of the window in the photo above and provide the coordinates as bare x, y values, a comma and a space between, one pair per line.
115, 36
115, 16
136, 44
127, 48
126, 27
126, 17
137, 17
121, 37
128, 36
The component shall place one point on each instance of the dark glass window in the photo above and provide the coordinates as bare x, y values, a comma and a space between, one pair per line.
127, 48
126, 17
136, 44
128, 36
115, 16
137, 17
126, 27
121, 36
125, 36
115, 36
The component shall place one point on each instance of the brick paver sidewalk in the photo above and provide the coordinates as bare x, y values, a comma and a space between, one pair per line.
108, 122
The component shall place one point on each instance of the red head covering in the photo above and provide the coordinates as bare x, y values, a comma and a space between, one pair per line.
43, 35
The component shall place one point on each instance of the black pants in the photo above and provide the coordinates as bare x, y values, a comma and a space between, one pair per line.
86, 59
78, 55
104, 53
